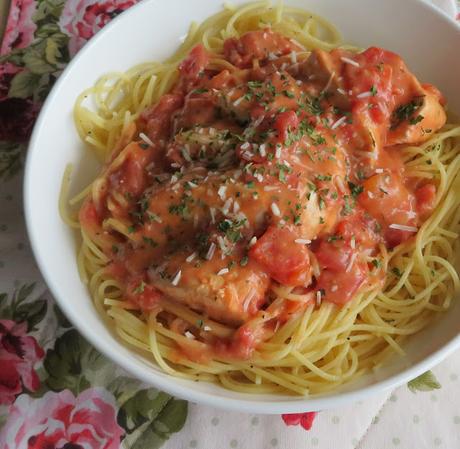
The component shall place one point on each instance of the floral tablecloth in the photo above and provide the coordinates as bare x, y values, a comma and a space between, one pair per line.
58, 392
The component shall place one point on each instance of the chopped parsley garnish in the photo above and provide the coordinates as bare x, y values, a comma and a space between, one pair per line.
288, 94
314, 106
254, 84
355, 189
244, 261
179, 209
348, 206
131, 229
376, 263
140, 288
231, 229
406, 112
150, 241
324, 177
333, 238
373, 91
144, 146
201, 90
396, 271
153, 217
414, 121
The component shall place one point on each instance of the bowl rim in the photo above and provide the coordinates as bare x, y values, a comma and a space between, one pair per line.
169, 383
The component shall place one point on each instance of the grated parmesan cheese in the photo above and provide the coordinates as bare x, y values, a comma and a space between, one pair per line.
146, 139
211, 251
318, 298
350, 264
227, 205
189, 335
177, 277
221, 192
276, 210
349, 61
191, 257
364, 94
338, 122
302, 241
403, 227
262, 151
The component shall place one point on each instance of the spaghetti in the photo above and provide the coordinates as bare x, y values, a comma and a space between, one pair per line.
267, 217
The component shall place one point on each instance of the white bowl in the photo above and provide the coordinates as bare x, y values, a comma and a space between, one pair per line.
427, 39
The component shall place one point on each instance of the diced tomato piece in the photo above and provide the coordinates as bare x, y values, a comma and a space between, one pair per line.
117, 270
361, 227
340, 276
284, 122
387, 199
425, 197
142, 294
284, 260
376, 55
88, 215
221, 80
339, 287
194, 63
394, 237
157, 119
334, 256
134, 172
257, 45
242, 344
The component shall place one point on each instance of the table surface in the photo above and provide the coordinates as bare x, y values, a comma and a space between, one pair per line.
61, 370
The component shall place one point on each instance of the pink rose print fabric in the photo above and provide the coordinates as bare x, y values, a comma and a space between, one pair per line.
20, 27
57, 391
61, 420
19, 354
82, 19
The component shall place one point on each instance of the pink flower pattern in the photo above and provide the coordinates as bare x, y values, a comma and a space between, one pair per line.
20, 28
19, 353
82, 19
61, 420
305, 420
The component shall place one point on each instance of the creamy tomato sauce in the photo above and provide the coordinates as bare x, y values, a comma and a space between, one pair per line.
285, 170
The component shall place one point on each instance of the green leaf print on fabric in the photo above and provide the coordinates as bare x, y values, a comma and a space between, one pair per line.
425, 382
11, 158
18, 309
150, 417
144, 406
153, 434
172, 418
73, 363
61, 318
24, 84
